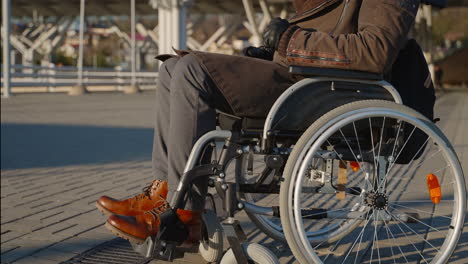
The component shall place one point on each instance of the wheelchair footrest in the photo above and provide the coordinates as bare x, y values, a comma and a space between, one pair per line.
152, 248
172, 233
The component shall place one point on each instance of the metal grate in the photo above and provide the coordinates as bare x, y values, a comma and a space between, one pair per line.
115, 251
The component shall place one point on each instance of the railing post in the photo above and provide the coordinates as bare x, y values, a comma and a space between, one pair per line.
120, 80
51, 72
79, 88
133, 88
6, 48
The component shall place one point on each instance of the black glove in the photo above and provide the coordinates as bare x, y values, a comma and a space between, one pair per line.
262, 52
273, 32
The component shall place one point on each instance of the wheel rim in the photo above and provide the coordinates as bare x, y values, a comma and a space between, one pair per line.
454, 226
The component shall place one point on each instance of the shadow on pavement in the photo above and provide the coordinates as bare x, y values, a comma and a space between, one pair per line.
39, 145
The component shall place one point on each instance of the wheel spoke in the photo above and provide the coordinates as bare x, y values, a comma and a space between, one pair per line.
404, 233
377, 237
338, 155
352, 152
373, 239
401, 150
331, 220
391, 246
372, 142
420, 201
420, 148
357, 140
398, 133
430, 157
355, 241
381, 135
419, 210
414, 231
414, 218
332, 249
394, 240
439, 170
391, 165
359, 247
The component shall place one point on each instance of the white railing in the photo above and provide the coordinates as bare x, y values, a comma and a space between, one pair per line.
31, 77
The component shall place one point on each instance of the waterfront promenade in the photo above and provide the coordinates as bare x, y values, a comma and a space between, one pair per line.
60, 153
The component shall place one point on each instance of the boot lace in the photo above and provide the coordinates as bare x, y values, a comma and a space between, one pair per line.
159, 209
147, 190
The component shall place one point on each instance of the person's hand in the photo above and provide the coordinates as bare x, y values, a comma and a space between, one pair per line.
273, 32
262, 52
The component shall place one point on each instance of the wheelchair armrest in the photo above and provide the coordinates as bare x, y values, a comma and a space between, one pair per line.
337, 73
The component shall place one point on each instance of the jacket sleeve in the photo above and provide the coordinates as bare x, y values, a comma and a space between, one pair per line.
383, 26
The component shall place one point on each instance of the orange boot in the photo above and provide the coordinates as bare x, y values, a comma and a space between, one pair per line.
151, 197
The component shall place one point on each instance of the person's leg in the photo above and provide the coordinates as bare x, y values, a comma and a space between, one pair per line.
193, 100
194, 97
162, 121
157, 190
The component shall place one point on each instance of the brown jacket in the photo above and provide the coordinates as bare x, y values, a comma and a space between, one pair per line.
361, 35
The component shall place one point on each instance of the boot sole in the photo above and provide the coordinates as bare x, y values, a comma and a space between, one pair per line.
123, 235
103, 210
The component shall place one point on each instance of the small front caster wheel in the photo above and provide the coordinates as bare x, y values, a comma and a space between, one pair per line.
211, 245
256, 253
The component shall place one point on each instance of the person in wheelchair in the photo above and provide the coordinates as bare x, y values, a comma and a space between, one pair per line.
362, 35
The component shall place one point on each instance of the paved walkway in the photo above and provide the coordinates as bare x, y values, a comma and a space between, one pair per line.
60, 153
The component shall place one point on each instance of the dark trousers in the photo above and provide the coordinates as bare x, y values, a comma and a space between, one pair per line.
186, 99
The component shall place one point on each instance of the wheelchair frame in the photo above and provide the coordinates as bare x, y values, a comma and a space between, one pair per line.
173, 232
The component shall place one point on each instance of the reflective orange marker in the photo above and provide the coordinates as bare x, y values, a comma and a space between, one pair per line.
354, 165
434, 188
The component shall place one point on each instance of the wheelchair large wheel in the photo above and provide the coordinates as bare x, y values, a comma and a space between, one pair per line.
408, 183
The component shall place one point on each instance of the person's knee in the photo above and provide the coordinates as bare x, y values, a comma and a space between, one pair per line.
167, 68
190, 75
188, 66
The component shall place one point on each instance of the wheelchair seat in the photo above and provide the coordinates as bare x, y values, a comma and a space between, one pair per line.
247, 126
326, 90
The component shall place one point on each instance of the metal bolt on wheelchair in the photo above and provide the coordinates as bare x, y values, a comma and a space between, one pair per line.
349, 175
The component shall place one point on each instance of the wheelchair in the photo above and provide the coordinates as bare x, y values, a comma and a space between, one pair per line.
347, 175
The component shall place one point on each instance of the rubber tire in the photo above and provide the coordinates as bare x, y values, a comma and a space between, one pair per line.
292, 243
212, 250
255, 252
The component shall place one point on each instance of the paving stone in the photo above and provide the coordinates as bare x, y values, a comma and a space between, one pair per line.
76, 245
35, 260
23, 248
54, 255
100, 234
